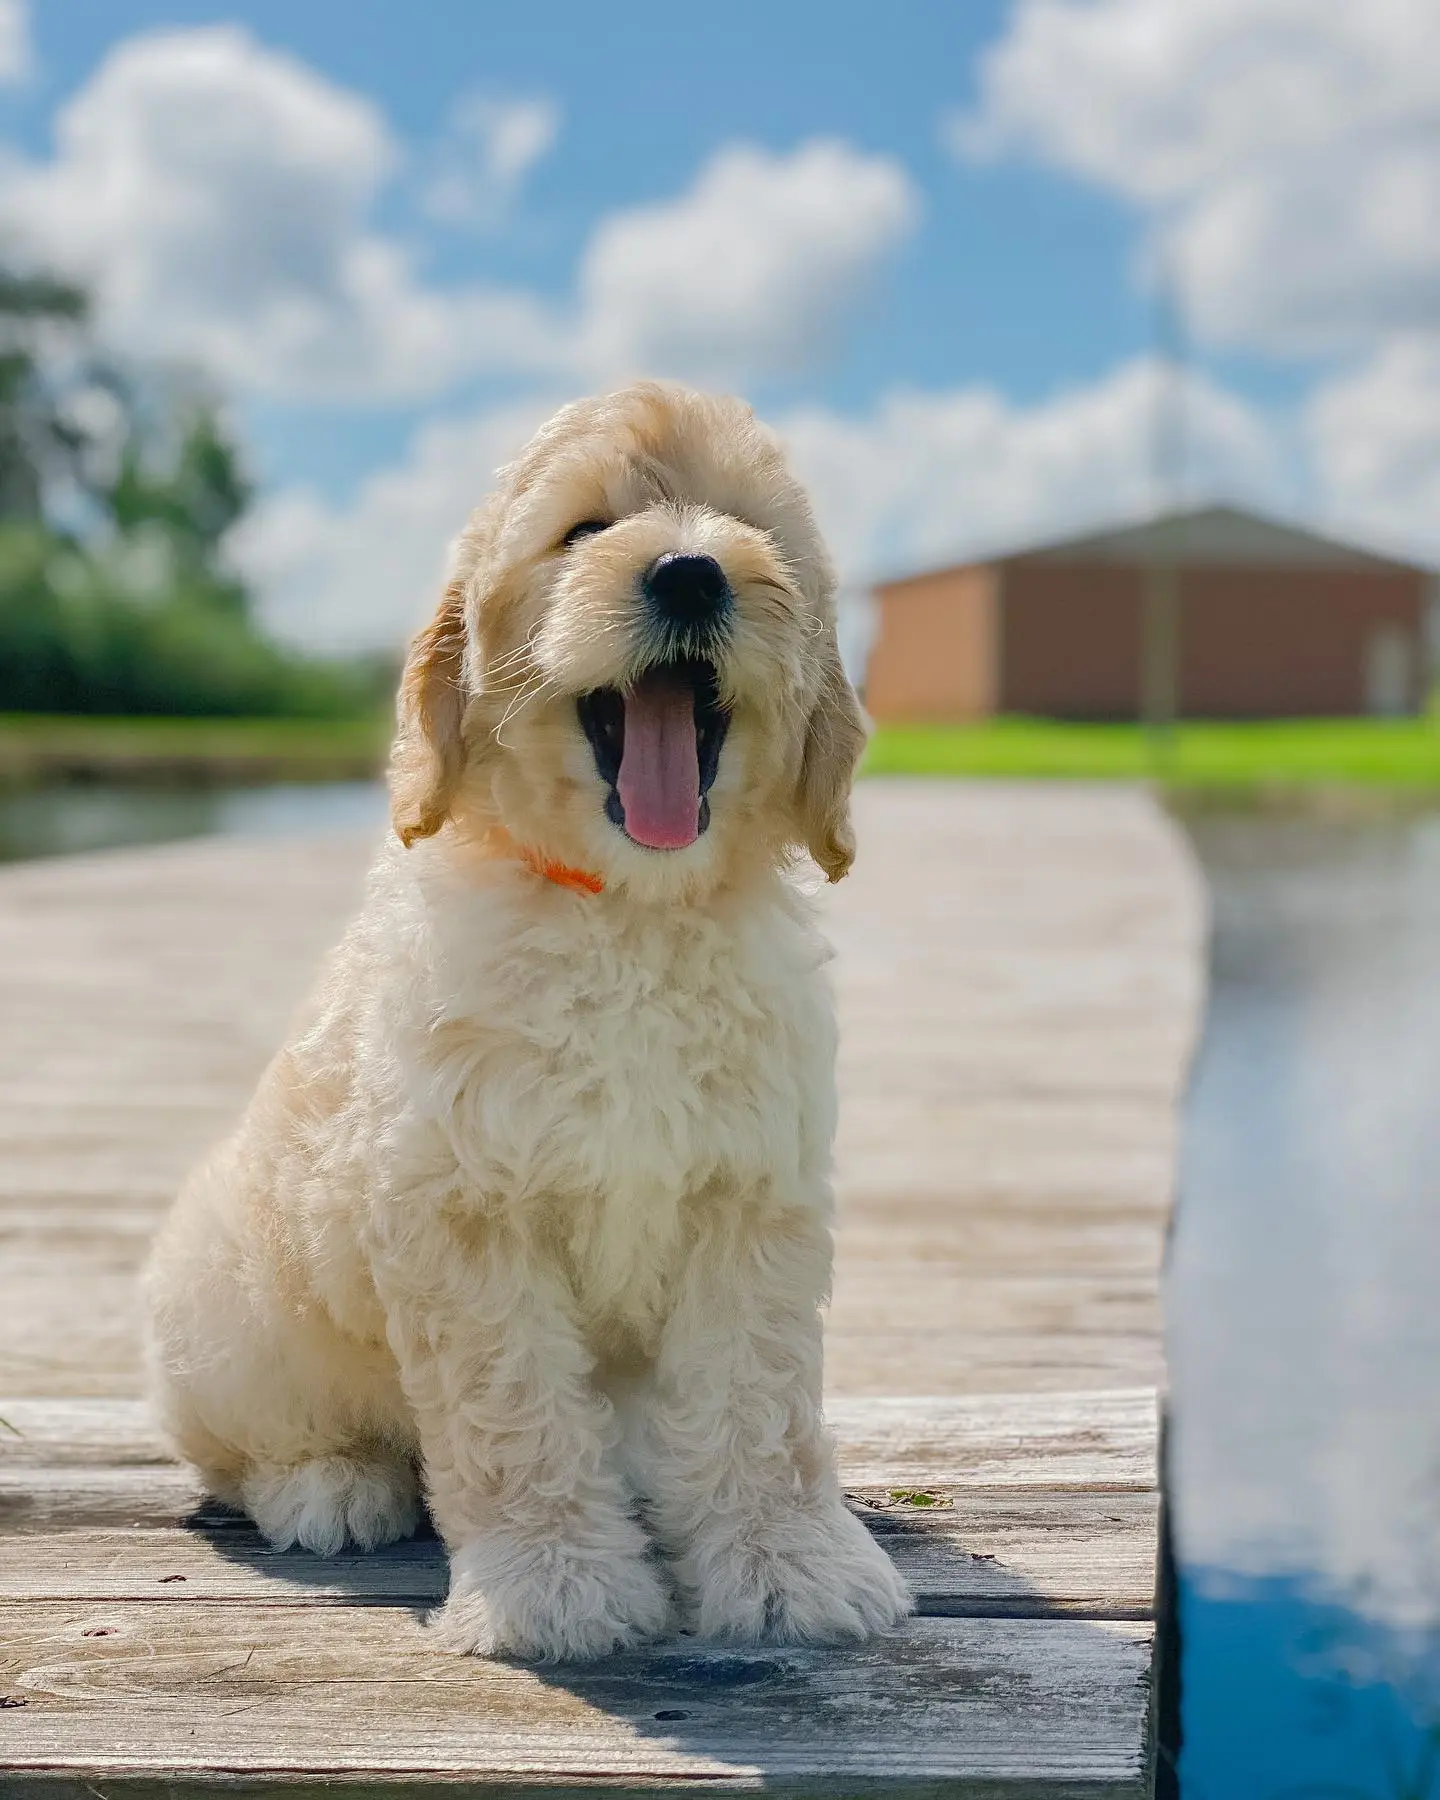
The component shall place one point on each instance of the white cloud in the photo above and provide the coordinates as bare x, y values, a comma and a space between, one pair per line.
15, 52
1375, 434
489, 149
1287, 151
218, 195
750, 271
1159, 97
366, 573
928, 477
1321, 256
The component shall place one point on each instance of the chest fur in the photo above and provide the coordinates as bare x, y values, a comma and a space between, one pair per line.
640, 1068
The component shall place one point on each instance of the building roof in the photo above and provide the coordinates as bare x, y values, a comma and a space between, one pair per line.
1210, 534
1222, 536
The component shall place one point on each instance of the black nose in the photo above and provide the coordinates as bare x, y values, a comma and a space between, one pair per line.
687, 590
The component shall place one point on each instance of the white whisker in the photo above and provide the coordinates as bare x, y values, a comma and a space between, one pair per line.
526, 695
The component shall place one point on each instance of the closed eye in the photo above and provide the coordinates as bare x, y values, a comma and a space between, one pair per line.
586, 528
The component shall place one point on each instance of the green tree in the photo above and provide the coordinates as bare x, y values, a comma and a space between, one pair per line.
38, 442
187, 494
115, 592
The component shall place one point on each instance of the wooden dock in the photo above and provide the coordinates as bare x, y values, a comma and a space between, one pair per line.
1020, 980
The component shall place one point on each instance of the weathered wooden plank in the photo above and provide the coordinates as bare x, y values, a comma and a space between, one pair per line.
389, 1785
1095, 1440
891, 1235
102, 1358
1070, 1305
73, 1324
73, 1464
1081, 1555
1065, 1441
971, 1361
1041, 1704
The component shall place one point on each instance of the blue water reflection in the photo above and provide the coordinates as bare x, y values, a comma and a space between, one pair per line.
1304, 1329
1290, 1697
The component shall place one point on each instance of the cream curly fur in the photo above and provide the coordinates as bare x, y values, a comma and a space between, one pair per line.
533, 1210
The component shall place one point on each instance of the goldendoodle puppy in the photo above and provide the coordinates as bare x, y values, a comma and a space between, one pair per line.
533, 1210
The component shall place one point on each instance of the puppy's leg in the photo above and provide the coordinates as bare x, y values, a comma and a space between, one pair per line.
315, 1468
284, 1415
736, 1461
547, 1559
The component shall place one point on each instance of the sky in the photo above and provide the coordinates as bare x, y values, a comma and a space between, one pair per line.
941, 247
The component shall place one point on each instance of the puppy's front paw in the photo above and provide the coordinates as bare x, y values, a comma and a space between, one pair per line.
330, 1501
552, 1602
801, 1578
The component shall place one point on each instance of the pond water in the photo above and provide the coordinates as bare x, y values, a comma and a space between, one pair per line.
1303, 1300
63, 819
1304, 1326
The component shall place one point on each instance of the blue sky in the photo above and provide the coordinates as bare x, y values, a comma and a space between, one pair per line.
394, 236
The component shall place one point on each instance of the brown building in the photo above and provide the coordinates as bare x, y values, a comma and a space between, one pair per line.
1272, 622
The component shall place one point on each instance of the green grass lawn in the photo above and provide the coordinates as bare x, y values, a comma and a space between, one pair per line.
36, 746
1282, 753
1402, 755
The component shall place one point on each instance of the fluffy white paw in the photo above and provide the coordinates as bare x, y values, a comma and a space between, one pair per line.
800, 1578
553, 1602
332, 1500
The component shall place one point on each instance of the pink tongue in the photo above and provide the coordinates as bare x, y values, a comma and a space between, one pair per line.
659, 780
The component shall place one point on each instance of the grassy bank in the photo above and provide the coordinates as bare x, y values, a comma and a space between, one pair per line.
38, 747
1279, 757
1249, 759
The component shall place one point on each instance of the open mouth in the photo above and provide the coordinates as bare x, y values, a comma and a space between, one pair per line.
657, 747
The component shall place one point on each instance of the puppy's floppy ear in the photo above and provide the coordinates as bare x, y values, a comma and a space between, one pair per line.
834, 740
429, 754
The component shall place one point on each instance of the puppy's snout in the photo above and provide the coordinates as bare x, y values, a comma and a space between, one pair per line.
687, 591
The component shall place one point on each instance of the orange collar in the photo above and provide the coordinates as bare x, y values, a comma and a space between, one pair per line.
579, 881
